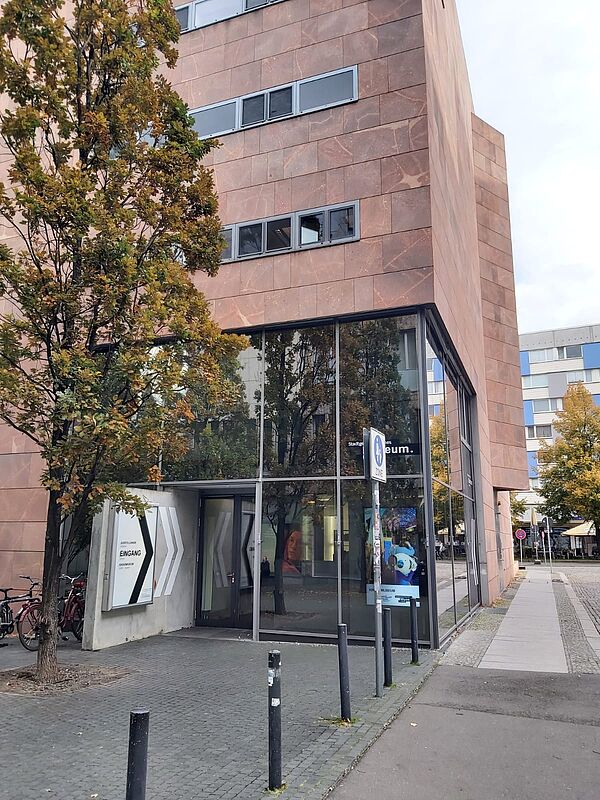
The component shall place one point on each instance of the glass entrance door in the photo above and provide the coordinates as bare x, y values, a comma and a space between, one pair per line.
227, 566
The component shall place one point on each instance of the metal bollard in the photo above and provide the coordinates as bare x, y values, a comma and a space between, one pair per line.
346, 713
137, 758
387, 647
414, 631
274, 720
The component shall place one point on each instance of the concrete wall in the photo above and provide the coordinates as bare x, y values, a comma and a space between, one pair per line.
168, 612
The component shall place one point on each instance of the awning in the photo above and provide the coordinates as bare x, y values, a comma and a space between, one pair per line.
585, 529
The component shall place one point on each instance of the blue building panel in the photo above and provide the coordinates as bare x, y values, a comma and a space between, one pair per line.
597, 399
528, 412
525, 368
591, 355
533, 465
438, 372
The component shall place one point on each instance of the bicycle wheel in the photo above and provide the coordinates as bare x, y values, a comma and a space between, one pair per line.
28, 627
77, 621
6, 620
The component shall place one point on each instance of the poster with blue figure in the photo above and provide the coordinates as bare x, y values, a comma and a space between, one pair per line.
399, 565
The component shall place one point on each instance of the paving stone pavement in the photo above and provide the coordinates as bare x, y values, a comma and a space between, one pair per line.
586, 582
208, 725
581, 659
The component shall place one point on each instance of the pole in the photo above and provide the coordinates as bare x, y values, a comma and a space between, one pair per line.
377, 590
345, 709
549, 542
274, 720
544, 546
521, 549
137, 757
387, 647
414, 631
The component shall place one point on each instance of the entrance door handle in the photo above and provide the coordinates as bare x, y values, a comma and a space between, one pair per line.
231, 576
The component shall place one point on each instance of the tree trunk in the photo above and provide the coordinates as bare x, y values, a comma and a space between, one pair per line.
47, 661
280, 542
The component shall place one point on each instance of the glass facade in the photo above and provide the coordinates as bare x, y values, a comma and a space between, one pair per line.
453, 489
293, 435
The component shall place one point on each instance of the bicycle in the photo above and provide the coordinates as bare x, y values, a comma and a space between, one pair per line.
8, 621
71, 615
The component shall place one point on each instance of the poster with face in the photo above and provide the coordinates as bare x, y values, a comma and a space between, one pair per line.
399, 565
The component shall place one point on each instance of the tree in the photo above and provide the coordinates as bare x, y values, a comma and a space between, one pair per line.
111, 211
570, 467
518, 509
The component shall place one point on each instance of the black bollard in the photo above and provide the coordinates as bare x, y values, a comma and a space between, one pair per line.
414, 631
274, 720
346, 713
137, 759
387, 647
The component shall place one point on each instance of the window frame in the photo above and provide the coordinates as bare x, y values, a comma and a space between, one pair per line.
191, 8
243, 9
218, 105
295, 112
312, 78
295, 245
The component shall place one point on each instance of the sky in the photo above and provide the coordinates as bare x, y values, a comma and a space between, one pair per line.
534, 67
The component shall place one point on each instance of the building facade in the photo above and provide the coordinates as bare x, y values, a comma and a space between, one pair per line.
550, 362
365, 210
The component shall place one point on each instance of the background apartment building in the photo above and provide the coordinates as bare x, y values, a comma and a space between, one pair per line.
550, 362
365, 209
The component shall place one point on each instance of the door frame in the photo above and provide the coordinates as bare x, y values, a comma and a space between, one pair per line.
233, 621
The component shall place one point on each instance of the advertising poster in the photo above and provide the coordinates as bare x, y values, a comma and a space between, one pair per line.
399, 565
132, 559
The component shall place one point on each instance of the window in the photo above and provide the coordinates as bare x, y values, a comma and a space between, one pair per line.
227, 234
570, 351
279, 234
535, 381
539, 431
539, 356
435, 387
322, 226
592, 375
250, 238
276, 103
547, 404
312, 228
253, 109
183, 17
280, 102
327, 90
576, 376
215, 119
206, 12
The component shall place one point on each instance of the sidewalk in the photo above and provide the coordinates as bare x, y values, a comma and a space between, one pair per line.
510, 714
529, 637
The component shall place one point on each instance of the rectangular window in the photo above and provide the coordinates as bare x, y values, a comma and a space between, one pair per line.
279, 234
215, 120
253, 110
209, 11
312, 230
535, 381
227, 234
252, 4
592, 375
576, 377
281, 102
183, 17
322, 226
543, 431
250, 240
328, 90
341, 223
531, 431
547, 404
539, 356
435, 387
570, 351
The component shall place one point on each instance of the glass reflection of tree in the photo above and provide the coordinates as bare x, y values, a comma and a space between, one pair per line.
438, 448
222, 433
374, 388
298, 407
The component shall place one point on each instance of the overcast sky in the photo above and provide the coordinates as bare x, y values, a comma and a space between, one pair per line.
535, 71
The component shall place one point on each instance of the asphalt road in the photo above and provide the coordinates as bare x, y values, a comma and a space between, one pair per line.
476, 734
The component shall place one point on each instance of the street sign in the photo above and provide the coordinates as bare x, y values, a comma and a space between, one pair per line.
520, 534
377, 456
